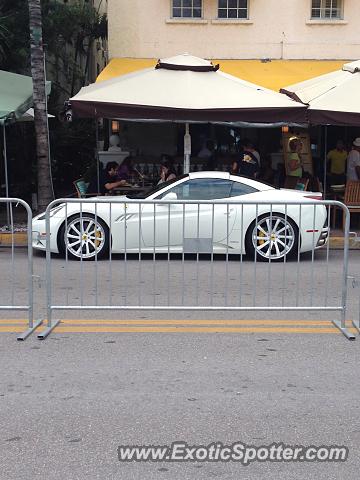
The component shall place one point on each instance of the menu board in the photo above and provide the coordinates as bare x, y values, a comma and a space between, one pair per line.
306, 157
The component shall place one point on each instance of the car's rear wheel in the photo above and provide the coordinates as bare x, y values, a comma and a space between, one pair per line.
84, 237
272, 237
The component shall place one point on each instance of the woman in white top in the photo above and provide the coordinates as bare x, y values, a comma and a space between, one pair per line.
353, 162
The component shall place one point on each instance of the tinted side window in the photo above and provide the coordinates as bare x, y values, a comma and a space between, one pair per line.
238, 189
202, 189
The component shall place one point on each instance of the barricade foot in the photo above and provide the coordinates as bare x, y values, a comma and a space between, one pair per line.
48, 330
29, 331
356, 325
343, 330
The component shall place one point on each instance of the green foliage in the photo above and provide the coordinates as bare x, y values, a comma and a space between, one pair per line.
69, 33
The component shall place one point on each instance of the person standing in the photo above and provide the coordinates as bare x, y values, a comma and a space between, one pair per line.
353, 161
337, 163
294, 164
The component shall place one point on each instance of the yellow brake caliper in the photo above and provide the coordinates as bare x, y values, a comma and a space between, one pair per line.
98, 238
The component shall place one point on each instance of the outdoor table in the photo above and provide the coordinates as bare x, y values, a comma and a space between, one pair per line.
124, 189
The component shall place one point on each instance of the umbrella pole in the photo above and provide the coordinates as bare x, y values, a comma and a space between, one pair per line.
187, 148
97, 155
6, 175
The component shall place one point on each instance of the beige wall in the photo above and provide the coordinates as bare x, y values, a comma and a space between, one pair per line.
275, 29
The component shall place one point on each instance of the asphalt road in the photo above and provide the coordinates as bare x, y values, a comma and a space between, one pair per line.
66, 403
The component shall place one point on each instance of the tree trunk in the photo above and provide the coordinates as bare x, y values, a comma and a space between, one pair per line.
40, 111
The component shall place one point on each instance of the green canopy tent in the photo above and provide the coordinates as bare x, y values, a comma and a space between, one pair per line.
16, 97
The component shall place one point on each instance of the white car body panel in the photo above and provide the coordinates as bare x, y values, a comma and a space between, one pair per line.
230, 227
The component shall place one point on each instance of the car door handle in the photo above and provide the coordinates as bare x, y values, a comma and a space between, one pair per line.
230, 211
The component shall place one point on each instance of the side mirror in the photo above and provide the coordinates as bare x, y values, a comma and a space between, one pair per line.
170, 196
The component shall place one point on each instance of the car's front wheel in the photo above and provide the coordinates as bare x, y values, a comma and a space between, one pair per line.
84, 237
272, 237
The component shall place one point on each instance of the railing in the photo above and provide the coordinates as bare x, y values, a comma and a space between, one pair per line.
191, 255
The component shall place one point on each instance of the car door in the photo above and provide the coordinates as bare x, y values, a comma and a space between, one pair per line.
192, 227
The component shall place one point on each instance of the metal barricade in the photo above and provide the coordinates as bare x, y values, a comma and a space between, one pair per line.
163, 255
18, 294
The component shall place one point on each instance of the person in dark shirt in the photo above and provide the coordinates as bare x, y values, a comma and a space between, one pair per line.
248, 164
107, 179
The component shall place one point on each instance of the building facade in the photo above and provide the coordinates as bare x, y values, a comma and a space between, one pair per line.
235, 29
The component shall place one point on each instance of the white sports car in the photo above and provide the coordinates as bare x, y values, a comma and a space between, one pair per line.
272, 231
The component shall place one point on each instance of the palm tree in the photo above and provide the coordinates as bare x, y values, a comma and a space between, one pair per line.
39, 96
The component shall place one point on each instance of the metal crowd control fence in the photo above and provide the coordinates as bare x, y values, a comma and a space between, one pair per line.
19, 284
163, 255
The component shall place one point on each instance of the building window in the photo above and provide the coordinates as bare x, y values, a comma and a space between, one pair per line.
326, 9
186, 8
233, 9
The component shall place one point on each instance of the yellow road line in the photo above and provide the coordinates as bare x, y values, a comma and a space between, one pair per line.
13, 321
9, 329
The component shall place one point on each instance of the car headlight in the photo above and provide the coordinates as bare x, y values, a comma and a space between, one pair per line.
53, 211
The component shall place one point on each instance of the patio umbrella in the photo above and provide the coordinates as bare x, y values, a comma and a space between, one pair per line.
333, 99
185, 88
15, 99
188, 89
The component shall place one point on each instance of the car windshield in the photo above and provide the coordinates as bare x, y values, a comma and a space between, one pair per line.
155, 189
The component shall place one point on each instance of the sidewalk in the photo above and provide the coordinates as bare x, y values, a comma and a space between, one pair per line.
336, 240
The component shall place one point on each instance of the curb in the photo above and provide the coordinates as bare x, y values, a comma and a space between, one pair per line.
20, 240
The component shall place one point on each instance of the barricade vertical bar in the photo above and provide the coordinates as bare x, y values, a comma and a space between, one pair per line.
140, 272
341, 325
66, 254
227, 256
50, 323
96, 251
12, 253
327, 256
197, 253
31, 325
110, 254
269, 263
312, 259
255, 249
284, 262
298, 260
125, 257
212, 255
154, 256
168, 257
81, 256
242, 243
183, 258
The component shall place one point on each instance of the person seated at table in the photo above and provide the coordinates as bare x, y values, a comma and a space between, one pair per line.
337, 164
108, 179
167, 172
248, 164
125, 170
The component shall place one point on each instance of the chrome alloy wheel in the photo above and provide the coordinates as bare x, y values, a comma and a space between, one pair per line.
273, 237
84, 238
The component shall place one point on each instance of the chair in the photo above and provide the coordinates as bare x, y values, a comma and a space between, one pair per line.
296, 183
290, 182
302, 184
352, 198
81, 188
